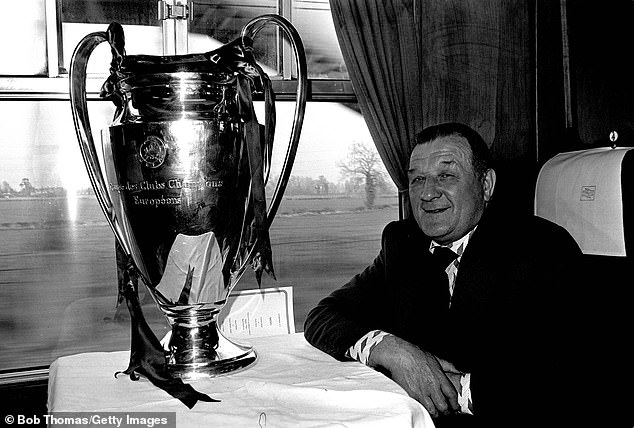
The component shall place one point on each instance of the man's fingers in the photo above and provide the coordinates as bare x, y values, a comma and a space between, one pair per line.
429, 405
451, 396
440, 401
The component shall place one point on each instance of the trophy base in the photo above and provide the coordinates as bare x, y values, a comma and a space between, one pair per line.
201, 351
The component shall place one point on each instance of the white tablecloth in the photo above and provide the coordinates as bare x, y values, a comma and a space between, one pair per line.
292, 384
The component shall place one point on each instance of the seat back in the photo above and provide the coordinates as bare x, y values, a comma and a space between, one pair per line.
591, 194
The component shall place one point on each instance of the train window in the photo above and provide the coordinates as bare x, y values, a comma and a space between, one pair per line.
81, 17
42, 41
57, 258
57, 263
23, 40
216, 22
313, 21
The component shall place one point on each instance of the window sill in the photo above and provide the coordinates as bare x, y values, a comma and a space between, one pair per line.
56, 88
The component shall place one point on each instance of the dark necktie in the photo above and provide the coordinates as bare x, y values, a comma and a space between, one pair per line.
443, 256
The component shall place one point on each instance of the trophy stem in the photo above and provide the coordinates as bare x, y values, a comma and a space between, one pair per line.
198, 349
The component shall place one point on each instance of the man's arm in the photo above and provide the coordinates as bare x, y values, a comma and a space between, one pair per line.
350, 312
418, 372
347, 314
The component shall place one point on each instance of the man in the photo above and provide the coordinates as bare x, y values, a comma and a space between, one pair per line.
488, 333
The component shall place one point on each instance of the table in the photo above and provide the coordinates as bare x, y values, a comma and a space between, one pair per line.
291, 384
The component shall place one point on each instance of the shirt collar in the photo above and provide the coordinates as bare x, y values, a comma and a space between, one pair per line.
458, 246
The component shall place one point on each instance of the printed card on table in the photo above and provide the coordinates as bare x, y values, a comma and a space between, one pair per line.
258, 313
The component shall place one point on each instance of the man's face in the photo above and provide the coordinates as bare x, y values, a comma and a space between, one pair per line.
446, 196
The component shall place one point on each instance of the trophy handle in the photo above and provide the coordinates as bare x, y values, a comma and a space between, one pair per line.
79, 106
250, 30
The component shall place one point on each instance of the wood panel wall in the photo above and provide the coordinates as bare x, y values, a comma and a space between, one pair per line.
601, 55
535, 78
477, 68
484, 61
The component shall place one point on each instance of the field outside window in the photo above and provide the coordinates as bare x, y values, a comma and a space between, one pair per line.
57, 263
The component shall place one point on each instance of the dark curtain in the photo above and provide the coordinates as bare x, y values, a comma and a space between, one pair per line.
415, 63
378, 42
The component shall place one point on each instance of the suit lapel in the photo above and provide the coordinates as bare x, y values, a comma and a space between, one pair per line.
479, 263
429, 282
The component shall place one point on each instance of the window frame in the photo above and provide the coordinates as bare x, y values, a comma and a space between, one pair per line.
46, 88
55, 87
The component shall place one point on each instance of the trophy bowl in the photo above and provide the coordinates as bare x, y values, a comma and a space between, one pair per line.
181, 179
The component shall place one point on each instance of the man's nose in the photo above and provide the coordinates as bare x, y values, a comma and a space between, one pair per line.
431, 190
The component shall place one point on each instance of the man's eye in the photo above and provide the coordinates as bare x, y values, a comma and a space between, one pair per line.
417, 180
445, 176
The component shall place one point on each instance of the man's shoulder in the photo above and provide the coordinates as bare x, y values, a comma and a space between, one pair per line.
402, 235
504, 217
526, 228
541, 227
406, 228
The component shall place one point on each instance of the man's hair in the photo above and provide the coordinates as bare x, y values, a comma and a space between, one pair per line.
481, 158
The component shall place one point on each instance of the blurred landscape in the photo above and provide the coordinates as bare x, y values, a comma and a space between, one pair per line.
58, 276
58, 281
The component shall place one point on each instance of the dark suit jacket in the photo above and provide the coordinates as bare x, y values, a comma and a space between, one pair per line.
511, 318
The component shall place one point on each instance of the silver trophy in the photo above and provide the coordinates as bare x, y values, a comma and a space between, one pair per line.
182, 179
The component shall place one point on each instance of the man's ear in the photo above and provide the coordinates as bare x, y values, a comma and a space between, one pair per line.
488, 184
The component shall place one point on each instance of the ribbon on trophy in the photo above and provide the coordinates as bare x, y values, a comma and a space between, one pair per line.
259, 233
147, 356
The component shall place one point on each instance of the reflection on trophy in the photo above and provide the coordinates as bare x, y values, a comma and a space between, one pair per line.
185, 163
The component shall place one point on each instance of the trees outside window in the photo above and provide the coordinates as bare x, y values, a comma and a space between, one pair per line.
364, 166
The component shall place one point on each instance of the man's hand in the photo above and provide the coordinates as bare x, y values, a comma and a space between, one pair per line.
418, 372
452, 373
